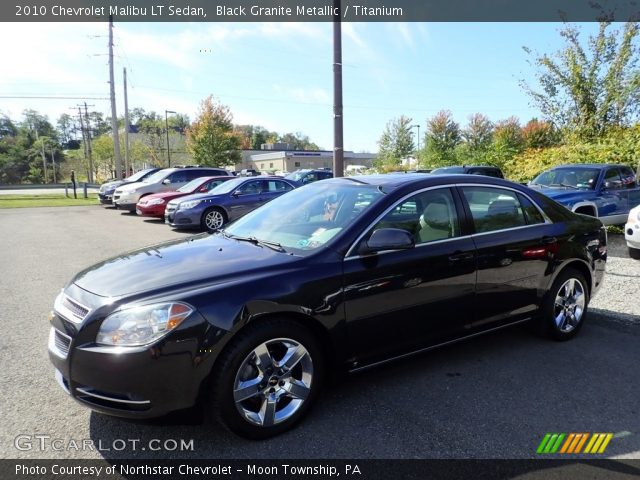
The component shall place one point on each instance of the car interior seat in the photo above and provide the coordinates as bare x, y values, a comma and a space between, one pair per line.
435, 222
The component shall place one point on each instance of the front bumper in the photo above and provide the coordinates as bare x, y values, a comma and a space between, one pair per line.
131, 382
126, 201
151, 210
632, 234
106, 198
183, 218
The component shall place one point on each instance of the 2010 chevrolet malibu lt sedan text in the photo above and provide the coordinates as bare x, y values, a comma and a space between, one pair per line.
341, 274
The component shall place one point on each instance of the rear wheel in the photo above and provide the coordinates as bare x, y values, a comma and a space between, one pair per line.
267, 379
565, 306
213, 219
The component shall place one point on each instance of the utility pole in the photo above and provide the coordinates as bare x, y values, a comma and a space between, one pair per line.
44, 159
84, 138
338, 142
90, 157
114, 115
126, 127
53, 162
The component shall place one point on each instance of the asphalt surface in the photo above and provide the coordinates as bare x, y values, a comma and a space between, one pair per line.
492, 397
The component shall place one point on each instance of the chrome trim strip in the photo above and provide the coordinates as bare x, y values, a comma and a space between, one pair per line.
426, 349
110, 399
60, 380
53, 348
547, 220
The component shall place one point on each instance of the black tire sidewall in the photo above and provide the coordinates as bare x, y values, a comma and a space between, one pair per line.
221, 398
548, 323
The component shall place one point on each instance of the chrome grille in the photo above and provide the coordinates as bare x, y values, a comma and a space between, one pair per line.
75, 308
59, 343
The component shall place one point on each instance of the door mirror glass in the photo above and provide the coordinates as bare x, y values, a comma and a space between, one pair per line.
166, 181
388, 239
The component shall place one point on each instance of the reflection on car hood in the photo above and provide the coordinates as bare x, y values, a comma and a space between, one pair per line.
197, 260
201, 196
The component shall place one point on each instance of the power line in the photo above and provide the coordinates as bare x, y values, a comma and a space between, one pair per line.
50, 97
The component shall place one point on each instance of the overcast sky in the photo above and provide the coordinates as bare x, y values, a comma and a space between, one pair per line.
279, 75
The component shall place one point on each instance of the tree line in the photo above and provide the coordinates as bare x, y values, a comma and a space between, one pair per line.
33, 150
587, 92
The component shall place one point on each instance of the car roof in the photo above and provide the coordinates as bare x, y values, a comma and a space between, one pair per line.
587, 165
389, 183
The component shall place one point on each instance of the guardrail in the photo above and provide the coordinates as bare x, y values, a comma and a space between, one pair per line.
52, 186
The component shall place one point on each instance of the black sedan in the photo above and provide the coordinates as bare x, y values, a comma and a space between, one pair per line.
342, 274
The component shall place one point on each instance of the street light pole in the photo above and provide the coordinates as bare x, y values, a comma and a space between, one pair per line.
418, 141
166, 125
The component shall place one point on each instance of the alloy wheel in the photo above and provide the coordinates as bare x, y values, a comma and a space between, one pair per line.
273, 382
214, 220
569, 305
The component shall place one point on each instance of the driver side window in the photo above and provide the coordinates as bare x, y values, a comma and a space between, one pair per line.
251, 188
428, 216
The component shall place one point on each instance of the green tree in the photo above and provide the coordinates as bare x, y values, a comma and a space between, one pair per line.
66, 129
588, 89
477, 137
211, 138
507, 141
396, 143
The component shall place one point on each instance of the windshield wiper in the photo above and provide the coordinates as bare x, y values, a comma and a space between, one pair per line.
563, 185
256, 241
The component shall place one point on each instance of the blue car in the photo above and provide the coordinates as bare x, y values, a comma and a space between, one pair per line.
225, 203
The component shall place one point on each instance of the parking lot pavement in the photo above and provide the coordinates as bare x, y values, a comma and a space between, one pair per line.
493, 397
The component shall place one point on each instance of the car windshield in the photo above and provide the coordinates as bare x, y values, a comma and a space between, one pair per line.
228, 186
444, 170
136, 176
156, 177
192, 185
307, 218
568, 177
296, 176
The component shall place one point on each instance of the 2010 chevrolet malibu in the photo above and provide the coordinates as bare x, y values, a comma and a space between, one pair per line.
340, 274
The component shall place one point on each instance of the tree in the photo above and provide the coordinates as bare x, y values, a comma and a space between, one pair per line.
589, 90
65, 129
211, 139
396, 142
537, 134
441, 139
507, 141
478, 132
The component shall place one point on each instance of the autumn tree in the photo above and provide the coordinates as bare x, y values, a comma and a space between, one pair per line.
587, 89
442, 136
539, 134
211, 138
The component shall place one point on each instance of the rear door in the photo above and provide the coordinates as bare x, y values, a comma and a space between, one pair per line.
513, 241
399, 301
272, 189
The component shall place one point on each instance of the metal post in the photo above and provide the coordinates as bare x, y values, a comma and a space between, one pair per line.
338, 141
166, 126
114, 115
126, 127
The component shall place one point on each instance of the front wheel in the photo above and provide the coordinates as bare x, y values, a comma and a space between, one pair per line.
565, 306
213, 219
267, 379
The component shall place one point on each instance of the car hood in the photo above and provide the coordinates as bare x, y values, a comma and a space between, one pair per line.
201, 196
562, 194
165, 195
205, 259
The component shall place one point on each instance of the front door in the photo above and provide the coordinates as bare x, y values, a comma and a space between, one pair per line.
400, 301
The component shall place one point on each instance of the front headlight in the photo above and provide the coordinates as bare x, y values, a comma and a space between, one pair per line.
142, 325
156, 201
189, 204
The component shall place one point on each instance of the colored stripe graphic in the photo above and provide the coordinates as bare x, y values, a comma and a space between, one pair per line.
573, 443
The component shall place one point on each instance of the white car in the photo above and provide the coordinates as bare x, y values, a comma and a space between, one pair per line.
126, 197
632, 233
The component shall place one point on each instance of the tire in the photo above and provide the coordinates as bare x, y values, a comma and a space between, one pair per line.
213, 219
565, 306
634, 253
252, 391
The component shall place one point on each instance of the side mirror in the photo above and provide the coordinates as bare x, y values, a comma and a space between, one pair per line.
203, 189
388, 239
166, 181
236, 193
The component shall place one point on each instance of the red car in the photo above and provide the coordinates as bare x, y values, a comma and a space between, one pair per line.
153, 205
